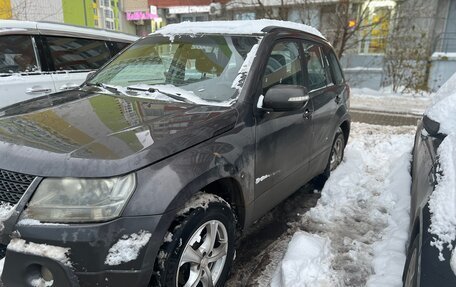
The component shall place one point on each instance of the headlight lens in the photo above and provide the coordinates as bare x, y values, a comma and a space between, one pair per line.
80, 200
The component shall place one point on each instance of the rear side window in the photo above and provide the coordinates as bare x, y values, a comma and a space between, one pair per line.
17, 54
76, 53
315, 63
335, 69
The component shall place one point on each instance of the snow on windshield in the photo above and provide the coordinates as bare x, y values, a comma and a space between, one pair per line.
357, 233
240, 27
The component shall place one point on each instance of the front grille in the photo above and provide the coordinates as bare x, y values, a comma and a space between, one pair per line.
13, 185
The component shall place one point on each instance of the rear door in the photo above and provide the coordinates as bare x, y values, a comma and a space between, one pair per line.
71, 59
21, 76
325, 99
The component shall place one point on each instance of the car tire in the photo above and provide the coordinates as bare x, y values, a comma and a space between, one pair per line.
409, 278
335, 158
200, 245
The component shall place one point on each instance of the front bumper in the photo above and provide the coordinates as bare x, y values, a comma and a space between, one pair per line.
89, 246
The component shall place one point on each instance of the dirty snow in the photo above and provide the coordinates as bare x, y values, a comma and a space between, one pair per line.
362, 212
54, 252
29, 221
202, 200
6, 210
239, 27
127, 248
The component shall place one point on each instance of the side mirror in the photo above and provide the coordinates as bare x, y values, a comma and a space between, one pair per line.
90, 75
285, 98
432, 127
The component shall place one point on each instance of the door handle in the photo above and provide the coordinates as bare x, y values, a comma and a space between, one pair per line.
68, 87
38, 90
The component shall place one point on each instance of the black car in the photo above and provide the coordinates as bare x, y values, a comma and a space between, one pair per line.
146, 174
426, 266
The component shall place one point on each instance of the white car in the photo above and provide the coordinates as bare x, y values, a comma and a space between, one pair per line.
38, 58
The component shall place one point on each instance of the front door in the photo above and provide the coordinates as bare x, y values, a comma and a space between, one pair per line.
283, 139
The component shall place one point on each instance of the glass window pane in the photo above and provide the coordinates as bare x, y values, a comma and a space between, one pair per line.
283, 66
316, 73
336, 70
77, 54
17, 54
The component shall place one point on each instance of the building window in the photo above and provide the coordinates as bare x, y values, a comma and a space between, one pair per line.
95, 11
245, 16
373, 38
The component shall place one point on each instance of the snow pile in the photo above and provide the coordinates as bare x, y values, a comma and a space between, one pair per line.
243, 27
127, 248
307, 262
40, 282
363, 209
54, 252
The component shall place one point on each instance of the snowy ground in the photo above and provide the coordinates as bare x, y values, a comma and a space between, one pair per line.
357, 232
387, 101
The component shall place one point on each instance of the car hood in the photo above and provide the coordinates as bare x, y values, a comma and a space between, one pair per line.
90, 134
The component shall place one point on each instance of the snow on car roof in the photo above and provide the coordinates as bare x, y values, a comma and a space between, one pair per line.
15, 25
233, 27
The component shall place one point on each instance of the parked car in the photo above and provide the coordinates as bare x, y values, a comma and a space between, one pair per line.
38, 58
147, 173
429, 251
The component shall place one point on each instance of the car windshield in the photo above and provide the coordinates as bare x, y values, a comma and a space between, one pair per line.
203, 69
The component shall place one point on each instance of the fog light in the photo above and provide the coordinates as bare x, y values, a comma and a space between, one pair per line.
46, 274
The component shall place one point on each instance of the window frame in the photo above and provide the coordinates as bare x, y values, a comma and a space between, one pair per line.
36, 54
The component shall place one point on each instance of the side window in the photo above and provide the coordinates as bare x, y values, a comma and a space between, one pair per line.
17, 54
76, 53
315, 64
335, 69
283, 66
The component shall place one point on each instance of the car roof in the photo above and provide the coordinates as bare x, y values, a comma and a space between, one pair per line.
49, 28
239, 27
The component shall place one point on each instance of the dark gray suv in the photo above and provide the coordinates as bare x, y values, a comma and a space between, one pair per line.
146, 174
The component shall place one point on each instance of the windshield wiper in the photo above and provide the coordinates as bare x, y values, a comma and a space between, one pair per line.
175, 96
111, 89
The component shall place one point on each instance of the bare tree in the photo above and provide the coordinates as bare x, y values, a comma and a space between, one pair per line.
348, 22
36, 10
406, 58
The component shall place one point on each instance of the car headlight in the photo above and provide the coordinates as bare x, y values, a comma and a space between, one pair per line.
68, 200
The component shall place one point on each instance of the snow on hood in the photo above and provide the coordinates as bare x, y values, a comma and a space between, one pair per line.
443, 109
240, 27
